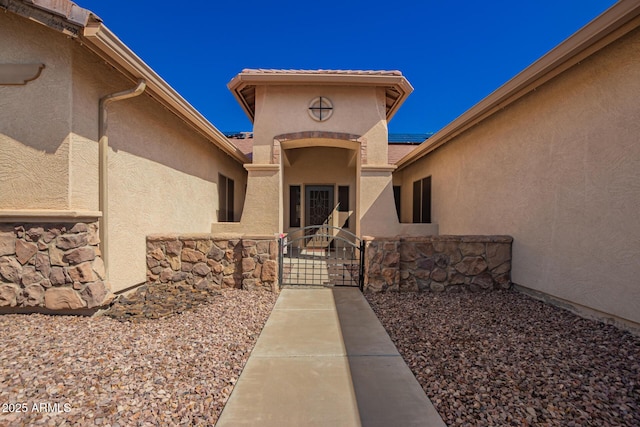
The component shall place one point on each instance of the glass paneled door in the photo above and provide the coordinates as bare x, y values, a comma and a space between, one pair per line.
318, 204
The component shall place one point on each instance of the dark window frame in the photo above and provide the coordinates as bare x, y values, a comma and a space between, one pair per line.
422, 200
397, 195
343, 200
295, 205
226, 198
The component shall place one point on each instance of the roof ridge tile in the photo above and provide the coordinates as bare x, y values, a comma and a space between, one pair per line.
320, 71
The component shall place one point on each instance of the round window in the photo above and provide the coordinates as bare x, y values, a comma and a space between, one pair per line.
320, 108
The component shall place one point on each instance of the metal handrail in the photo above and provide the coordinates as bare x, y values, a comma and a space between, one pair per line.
328, 227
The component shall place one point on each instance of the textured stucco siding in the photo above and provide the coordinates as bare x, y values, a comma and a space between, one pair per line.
163, 175
357, 111
163, 178
559, 171
35, 119
284, 109
91, 79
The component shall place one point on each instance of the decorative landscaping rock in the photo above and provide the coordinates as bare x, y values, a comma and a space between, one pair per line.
269, 271
43, 264
30, 276
215, 261
10, 269
96, 294
438, 263
71, 241
62, 299
77, 256
7, 243
58, 276
25, 250
438, 275
33, 296
380, 276
157, 300
51, 266
8, 295
82, 273
484, 281
471, 266
201, 269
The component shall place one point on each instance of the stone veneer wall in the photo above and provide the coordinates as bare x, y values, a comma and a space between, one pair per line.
438, 263
52, 266
213, 261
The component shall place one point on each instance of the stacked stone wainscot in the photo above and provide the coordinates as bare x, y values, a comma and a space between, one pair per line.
438, 263
51, 266
208, 261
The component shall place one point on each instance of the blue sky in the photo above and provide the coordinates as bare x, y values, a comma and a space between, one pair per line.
454, 53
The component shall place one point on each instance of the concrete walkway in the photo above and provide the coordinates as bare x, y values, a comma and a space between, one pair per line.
324, 359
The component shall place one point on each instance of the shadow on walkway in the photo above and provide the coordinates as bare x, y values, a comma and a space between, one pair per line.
324, 359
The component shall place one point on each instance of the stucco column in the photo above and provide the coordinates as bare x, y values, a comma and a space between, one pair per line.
262, 213
377, 208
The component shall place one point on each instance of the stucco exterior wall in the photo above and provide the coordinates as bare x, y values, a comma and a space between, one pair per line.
320, 166
356, 110
163, 175
558, 170
34, 157
90, 81
164, 179
378, 216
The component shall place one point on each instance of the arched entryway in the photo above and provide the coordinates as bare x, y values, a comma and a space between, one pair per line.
320, 201
320, 179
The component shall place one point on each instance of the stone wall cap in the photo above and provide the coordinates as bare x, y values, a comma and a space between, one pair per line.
466, 238
208, 236
161, 237
47, 215
259, 237
416, 238
215, 236
386, 239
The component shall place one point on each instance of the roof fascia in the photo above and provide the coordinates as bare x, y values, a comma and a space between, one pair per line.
235, 86
98, 38
320, 79
618, 20
242, 80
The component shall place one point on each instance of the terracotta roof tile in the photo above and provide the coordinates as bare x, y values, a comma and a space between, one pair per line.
66, 9
244, 144
349, 72
398, 151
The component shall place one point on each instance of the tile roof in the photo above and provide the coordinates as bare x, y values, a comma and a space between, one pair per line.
65, 8
243, 144
243, 85
398, 151
61, 15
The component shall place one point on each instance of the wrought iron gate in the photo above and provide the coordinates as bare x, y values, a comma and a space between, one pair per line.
321, 255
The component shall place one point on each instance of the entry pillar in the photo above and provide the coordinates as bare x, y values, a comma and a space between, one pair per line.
262, 213
378, 215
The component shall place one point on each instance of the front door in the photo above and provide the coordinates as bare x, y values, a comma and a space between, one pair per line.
318, 204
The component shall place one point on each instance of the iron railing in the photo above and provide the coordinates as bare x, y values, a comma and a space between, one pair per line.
321, 255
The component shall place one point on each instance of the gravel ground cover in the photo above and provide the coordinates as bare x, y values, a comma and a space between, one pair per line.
503, 358
180, 370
